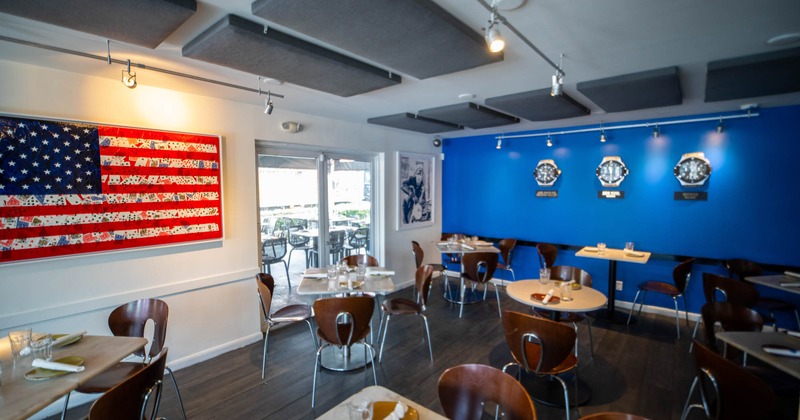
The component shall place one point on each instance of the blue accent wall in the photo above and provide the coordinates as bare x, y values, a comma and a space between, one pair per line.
752, 211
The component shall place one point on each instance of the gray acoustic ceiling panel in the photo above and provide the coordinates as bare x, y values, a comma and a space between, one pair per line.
647, 89
469, 115
538, 105
765, 74
411, 122
413, 37
140, 22
254, 48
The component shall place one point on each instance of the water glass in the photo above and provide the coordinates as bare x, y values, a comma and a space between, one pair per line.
360, 411
601, 247
544, 275
629, 246
361, 272
42, 347
451, 241
566, 291
20, 342
333, 271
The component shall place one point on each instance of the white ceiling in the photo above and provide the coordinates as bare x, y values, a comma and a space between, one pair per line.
599, 39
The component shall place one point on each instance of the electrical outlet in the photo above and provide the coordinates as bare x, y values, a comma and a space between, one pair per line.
619, 284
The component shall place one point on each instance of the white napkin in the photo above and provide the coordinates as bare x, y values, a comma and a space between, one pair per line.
547, 297
398, 413
791, 274
442, 244
380, 272
482, 243
793, 333
590, 249
634, 254
316, 275
67, 338
781, 351
44, 364
465, 246
790, 284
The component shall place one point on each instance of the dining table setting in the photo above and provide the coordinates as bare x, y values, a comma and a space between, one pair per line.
379, 403
36, 368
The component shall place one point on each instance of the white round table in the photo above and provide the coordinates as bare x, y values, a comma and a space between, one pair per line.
584, 299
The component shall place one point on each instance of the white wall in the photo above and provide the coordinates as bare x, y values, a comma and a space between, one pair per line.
209, 287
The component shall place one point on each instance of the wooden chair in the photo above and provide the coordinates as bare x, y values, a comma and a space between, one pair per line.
506, 248
681, 275
419, 257
478, 269
718, 288
541, 347
741, 269
727, 391
613, 416
354, 260
129, 320
287, 314
130, 399
401, 306
465, 390
342, 322
272, 252
547, 254
731, 317
567, 273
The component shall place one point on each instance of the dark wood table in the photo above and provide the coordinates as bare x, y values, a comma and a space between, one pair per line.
21, 398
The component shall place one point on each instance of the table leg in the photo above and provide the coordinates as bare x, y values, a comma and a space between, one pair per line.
611, 314
345, 358
548, 391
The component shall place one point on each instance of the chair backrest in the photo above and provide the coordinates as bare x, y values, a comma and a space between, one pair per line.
273, 249
423, 283
729, 391
266, 286
464, 391
731, 316
419, 254
733, 290
739, 268
354, 260
479, 266
343, 320
297, 240
682, 273
129, 320
506, 247
613, 416
537, 344
130, 399
567, 273
547, 254
359, 238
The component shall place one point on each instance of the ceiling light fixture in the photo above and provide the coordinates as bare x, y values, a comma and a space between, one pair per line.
656, 133
603, 136
494, 40
128, 77
268, 106
558, 79
720, 126
549, 141
499, 144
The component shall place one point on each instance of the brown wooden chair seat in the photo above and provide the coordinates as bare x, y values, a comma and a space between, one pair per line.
285, 315
681, 275
130, 399
478, 269
567, 273
342, 322
402, 306
541, 347
465, 390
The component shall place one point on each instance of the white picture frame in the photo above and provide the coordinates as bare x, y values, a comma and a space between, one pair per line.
415, 190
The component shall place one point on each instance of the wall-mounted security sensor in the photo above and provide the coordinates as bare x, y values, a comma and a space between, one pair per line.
437, 142
291, 127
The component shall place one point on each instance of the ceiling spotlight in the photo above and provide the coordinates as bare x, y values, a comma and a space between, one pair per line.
656, 133
720, 127
494, 40
603, 136
549, 141
268, 104
499, 144
558, 83
129, 78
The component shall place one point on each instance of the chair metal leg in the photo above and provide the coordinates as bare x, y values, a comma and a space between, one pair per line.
463, 290
497, 294
311, 330
686, 407
371, 357
427, 332
589, 328
686, 309
264, 356
694, 333
177, 391
633, 306
314, 382
677, 317
566, 392
66, 405
288, 279
641, 304
383, 339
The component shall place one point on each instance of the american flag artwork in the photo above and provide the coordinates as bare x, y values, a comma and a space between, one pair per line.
72, 188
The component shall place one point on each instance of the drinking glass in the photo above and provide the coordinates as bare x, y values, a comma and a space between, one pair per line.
333, 271
544, 275
601, 247
629, 246
20, 342
566, 291
42, 347
361, 272
451, 241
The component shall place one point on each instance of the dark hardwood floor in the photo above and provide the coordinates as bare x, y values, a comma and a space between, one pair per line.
640, 369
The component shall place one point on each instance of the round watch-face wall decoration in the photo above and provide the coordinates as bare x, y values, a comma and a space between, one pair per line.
693, 170
611, 171
546, 172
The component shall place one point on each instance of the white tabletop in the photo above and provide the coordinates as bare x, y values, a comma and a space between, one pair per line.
470, 247
378, 393
751, 342
640, 257
776, 281
380, 284
583, 300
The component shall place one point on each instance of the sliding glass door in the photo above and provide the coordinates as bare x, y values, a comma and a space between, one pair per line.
308, 226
